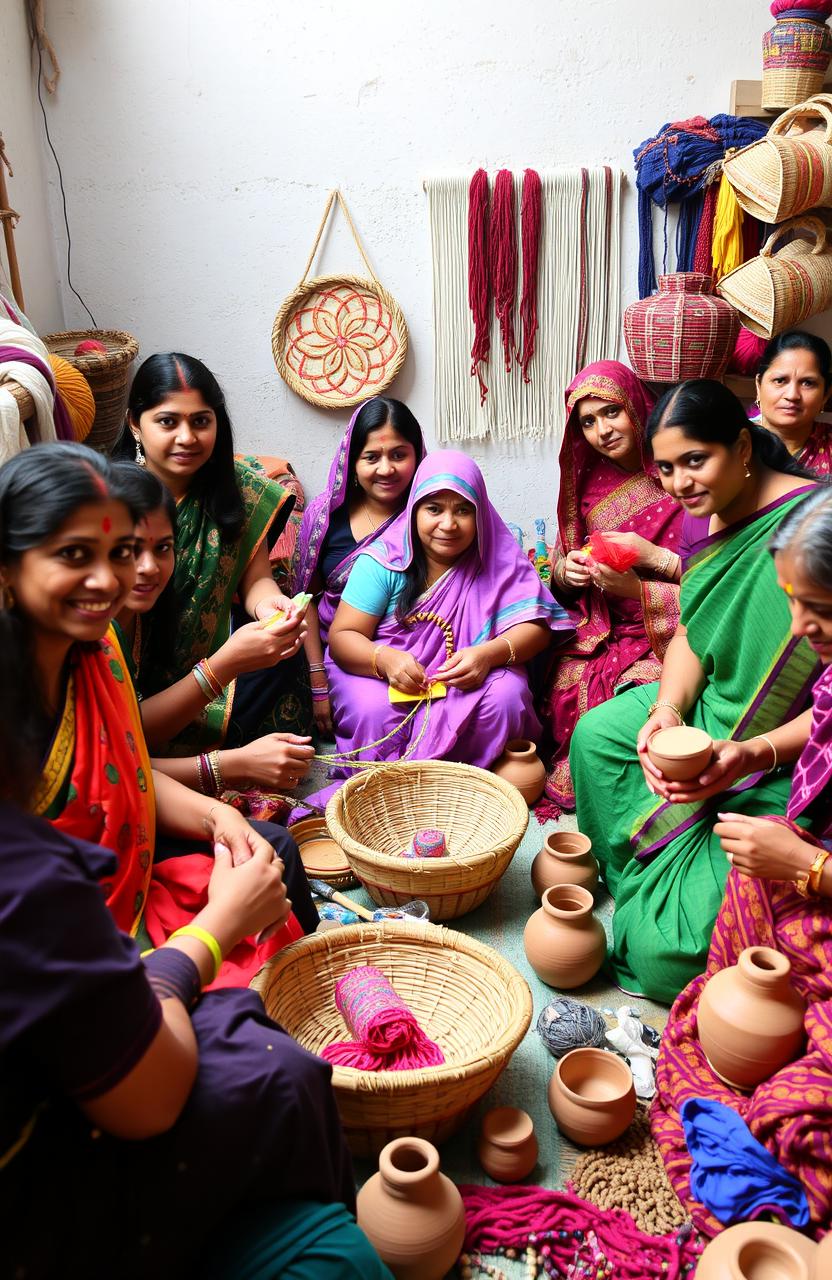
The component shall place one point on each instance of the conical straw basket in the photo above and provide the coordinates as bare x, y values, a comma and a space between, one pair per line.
790, 169
783, 287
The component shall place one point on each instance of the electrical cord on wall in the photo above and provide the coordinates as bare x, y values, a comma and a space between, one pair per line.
63, 195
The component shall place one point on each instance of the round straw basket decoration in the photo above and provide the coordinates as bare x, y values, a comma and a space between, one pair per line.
467, 998
108, 375
790, 169
796, 53
338, 340
375, 814
783, 286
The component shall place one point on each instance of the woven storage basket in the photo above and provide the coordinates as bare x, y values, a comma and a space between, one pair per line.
467, 998
683, 331
783, 287
338, 340
790, 169
796, 53
108, 376
375, 815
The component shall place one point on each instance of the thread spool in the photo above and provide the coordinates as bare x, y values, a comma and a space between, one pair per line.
567, 1024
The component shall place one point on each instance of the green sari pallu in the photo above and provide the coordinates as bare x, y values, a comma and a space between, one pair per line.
206, 579
661, 862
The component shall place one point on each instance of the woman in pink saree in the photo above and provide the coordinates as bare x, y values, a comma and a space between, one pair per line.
778, 894
624, 620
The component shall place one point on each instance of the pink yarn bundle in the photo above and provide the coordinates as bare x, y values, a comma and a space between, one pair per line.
557, 1224
387, 1035
822, 8
748, 351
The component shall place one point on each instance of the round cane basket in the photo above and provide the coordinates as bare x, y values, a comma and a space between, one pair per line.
796, 53
374, 816
108, 376
466, 997
339, 339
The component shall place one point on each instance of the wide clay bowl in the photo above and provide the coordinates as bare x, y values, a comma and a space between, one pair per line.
322, 857
681, 752
760, 1251
592, 1096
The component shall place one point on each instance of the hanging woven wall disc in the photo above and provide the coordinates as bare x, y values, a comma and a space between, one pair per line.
338, 340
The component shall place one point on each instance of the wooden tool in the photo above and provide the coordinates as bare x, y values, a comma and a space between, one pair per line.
323, 890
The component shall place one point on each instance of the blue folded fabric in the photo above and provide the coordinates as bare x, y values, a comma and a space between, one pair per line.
733, 1174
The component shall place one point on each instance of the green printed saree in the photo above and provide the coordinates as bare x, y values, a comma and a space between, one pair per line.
662, 862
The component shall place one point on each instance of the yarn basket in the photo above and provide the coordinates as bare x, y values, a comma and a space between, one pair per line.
107, 374
796, 54
683, 331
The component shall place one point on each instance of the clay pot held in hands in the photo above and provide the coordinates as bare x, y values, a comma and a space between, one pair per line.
411, 1212
751, 1018
507, 1147
592, 1096
681, 752
759, 1251
566, 858
521, 765
565, 944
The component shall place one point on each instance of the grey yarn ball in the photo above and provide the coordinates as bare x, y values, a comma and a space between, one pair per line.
567, 1024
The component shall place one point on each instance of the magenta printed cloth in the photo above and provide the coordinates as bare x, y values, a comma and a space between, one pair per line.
813, 771
313, 531
387, 1034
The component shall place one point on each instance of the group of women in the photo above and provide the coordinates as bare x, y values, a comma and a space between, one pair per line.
159, 695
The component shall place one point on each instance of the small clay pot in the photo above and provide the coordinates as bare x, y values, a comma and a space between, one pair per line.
750, 1018
411, 1212
759, 1251
507, 1147
566, 858
681, 752
592, 1096
565, 944
521, 765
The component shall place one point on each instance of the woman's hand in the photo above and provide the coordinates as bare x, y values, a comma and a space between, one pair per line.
649, 555
758, 847
252, 647
574, 570
267, 607
465, 669
226, 825
627, 584
250, 896
401, 670
322, 711
277, 762
662, 718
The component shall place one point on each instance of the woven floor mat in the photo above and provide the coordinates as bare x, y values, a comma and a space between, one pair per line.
629, 1174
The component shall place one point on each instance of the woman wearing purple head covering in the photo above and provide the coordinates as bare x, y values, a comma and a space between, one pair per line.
445, 594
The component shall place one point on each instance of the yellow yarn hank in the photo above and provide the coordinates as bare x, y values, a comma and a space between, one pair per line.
726, 245
75, 392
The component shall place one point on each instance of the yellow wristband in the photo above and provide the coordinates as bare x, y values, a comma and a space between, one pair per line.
206, 938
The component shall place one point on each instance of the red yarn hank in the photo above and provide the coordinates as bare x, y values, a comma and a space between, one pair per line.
388, 1036
605, 550
702, 254
502, 256
506, 1217
531, 221
478, 277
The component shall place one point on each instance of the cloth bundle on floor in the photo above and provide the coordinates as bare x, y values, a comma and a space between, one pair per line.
387, 1035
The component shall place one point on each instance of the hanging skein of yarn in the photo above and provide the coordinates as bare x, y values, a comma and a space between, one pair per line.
387, 1035
502, 253
568, 1024
76, 394
675, 167
531, 218
478, 279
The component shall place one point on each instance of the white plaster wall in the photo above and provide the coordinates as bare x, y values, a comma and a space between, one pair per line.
21, 126
199, 139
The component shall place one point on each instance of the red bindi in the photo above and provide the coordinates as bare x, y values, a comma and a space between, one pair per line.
106, 524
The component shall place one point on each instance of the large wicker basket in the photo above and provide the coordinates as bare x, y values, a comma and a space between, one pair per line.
783, 286
790, 169
467, 998
108, 376
375, 815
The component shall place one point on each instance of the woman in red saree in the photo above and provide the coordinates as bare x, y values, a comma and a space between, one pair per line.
778, 894
66, 567
625, 620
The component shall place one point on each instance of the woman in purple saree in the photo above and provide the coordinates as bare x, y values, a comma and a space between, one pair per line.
368, 484
444, 594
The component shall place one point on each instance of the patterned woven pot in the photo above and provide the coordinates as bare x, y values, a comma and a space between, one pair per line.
683, 331
796, 53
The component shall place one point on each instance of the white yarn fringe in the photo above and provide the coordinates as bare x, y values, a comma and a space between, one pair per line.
513, 409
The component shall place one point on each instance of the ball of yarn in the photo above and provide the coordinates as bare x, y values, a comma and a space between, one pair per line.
822, 8
74, 390
567, 1024
748, 352
90, 347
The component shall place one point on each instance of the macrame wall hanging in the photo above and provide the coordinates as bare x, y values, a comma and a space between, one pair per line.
540, 301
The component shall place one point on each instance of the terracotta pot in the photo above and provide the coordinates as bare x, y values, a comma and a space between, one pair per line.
565, 944
751, 1018
758, 1251
681, 752
683, 331
592, 1096
566, 858
411, 1212
521, 765
507, 1148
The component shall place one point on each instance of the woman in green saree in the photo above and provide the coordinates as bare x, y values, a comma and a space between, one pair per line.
732, 668
178, 426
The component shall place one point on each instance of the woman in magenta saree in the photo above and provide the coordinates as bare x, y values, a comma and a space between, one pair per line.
776, 896
625, 621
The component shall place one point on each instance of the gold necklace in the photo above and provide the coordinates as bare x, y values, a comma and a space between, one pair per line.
369, 518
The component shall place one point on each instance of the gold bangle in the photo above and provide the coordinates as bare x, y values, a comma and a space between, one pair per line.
512, 655
216, 773
665, 702
218, 684
816, 871
769, 743
376, 671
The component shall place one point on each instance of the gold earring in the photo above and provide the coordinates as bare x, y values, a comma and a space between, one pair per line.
747, 472
141, 460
